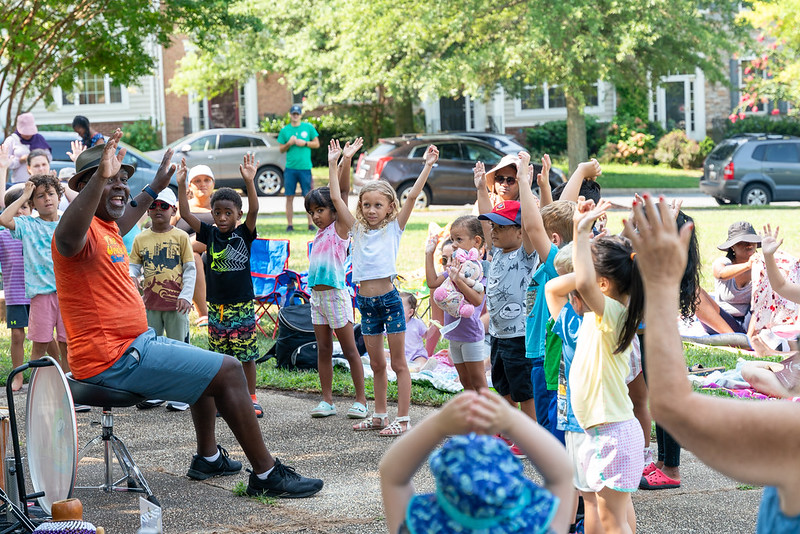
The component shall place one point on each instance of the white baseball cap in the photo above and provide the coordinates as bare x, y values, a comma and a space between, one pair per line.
168, 196
200, 170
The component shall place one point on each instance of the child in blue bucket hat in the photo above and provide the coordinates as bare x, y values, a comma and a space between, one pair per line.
480, 485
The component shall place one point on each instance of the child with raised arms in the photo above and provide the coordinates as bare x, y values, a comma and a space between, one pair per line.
376, 230
331, 306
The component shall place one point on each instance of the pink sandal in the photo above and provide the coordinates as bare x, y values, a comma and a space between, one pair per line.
658, 480
649, 469
395, 429
369, 424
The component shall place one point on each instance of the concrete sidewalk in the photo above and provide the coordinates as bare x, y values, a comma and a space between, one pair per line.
163, 442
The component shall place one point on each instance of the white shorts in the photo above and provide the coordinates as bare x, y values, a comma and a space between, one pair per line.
573, 442
332, 307
462, 351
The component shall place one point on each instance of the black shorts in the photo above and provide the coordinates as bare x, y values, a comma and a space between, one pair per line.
17, 315
511, 370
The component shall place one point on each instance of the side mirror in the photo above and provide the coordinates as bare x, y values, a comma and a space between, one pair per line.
186, 148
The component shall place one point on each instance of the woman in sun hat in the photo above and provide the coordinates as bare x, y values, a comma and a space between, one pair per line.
201, 187
19, 144
732, 276
480, 485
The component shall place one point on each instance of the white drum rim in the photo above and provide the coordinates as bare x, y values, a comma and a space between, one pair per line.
32, 424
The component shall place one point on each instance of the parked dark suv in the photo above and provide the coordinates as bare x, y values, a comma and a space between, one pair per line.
398, 160
753, 169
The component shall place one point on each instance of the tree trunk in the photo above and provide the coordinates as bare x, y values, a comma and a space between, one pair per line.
403, 114
576, 133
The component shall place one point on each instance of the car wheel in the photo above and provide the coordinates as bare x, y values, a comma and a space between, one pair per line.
423, 200
721, 201
756, 195
269, 181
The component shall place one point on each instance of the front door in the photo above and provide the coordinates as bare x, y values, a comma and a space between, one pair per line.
223, 110
453, 113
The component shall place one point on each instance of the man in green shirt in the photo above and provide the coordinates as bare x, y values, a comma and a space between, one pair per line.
297, 139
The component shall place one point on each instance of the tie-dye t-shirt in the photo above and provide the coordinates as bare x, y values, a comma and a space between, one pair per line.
36, 236
227, 268
326, 261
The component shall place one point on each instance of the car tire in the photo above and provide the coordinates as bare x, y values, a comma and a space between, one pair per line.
269, 181
423, 200
756, 195
721, 201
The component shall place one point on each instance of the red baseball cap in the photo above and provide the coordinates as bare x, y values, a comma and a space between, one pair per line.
505, 213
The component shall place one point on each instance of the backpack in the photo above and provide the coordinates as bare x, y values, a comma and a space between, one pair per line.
294, 331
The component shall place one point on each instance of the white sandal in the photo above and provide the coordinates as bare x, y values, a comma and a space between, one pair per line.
368, 423
395, 429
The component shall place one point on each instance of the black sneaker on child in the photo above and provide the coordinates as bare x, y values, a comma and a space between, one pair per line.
202, 469
283, 481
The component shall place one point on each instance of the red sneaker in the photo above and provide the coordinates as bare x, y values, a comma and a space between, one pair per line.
649, 469
658, 480
516, 451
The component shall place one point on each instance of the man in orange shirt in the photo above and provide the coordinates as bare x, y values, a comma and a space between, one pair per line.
112, 346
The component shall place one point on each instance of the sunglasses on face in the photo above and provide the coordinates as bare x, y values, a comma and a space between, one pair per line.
510, 180
159, 205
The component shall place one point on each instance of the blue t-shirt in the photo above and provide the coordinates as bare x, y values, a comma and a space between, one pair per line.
36, 236
537, 306
770, 518
566, 327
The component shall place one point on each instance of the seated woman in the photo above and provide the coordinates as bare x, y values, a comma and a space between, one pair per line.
775, 379
732, 283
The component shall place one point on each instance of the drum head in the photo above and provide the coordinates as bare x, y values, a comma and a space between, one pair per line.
52, 435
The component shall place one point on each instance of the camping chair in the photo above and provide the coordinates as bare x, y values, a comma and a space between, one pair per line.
274, 284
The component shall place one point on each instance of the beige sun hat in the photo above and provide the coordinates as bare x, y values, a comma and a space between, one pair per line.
509, 160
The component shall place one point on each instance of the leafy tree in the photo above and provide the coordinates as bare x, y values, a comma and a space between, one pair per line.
339, 50
50, 43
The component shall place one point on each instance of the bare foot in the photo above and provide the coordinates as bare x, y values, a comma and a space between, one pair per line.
761, 348
16, 384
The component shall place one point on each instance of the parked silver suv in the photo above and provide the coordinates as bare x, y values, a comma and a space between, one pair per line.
753, 169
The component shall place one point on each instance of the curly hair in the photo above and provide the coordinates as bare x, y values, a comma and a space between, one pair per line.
49, 182
382, 187
226, 193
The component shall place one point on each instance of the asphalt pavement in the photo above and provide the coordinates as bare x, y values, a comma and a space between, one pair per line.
163, 442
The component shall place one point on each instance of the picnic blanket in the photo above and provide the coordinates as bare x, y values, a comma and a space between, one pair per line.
732, 383
444, 377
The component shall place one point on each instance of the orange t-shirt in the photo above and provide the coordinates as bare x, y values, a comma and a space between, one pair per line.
102, 310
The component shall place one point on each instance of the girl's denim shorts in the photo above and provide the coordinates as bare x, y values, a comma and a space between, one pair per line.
382, 312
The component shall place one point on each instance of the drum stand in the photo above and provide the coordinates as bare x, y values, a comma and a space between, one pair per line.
17, 508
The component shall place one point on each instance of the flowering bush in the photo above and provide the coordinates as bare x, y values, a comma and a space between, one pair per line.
677, 150
630, 140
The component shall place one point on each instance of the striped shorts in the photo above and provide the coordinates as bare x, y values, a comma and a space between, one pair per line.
612, 456
332, 307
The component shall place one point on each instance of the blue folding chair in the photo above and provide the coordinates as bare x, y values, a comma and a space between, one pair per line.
274, 284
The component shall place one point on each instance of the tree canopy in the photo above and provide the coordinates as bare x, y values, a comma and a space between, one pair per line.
351, 50
51, 43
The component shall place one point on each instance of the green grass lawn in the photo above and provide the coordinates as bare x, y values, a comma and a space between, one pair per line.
616, 176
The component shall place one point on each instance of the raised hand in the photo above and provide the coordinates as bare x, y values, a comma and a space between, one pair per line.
769, 241
479, 175
490, 413
30, 187
587, 212
661, 250
590, 170
524, 169
110, 161
431, 156
351, 150
248, 167
334, 151
180, 173
76, 147
543, 178
430, 246
165, 171
5, 161
455, 416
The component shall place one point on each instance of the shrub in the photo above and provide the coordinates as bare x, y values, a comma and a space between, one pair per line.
142, 135
678, 151
763, 124
551, 137
706, 146
344, 123
630, 140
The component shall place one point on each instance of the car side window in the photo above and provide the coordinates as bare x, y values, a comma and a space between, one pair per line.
481, 153
450, 151
234, 141
59, 150
781, 153
758, 152
206, 142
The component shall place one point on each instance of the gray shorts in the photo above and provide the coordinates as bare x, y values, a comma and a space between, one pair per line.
161, 368
462, 351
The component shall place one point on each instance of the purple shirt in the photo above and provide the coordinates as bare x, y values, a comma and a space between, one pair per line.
415, 334
470, 329
13, 267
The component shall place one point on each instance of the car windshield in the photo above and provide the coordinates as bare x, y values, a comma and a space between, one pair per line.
381, 149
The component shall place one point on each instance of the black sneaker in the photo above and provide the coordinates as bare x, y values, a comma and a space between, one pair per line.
283, 481
148, 404
202, 469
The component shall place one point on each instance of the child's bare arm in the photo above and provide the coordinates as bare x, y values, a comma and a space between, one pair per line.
473, 297
534, 236
343, 214
585, 277
484, 202
346, 163
183, 199
556, 292
586, 170
433, 279
429, 159
7, 217
543, 180
779, 284
248, 171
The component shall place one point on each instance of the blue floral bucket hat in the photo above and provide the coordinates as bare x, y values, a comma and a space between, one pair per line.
480, 487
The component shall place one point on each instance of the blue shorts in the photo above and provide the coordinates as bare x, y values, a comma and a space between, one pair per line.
382, 311
291, 177
161, 368
17, 315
